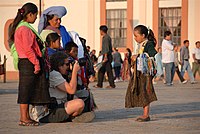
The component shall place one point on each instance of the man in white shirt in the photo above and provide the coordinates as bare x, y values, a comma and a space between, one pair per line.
196, 57
168, 58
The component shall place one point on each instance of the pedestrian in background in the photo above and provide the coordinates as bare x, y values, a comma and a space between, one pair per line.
117, 61
168, 58
185, 64
106, 51
196, 57
126, 66
159, 65
177, 62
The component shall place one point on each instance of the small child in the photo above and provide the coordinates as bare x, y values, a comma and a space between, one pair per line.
158, 58
53, 41
176, 63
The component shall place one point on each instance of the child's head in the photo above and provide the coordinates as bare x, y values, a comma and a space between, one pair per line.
93, 52
115, 49
176, 48
53, 40
142, 33
167, 35
72, 49
28, 13
186, 43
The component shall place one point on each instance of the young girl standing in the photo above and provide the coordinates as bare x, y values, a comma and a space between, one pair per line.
33, 84
140, 92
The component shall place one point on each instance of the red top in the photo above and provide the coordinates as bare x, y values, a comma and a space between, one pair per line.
26, 45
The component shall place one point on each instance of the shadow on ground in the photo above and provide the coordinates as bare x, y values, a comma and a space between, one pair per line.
165, 111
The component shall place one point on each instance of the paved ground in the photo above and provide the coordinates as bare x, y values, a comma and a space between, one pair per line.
177, 111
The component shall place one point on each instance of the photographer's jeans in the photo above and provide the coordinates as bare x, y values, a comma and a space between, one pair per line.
169, 72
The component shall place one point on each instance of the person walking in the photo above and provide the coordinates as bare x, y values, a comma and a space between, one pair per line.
117, 60
185, 65
196, 57
140, 91
126, 65
106, 51
159, 64
168, 58
33, 81
177, 62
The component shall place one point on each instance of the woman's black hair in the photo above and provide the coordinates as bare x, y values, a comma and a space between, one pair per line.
49, 17
21, 14
52, 37
57, 59
69, 46
148, 33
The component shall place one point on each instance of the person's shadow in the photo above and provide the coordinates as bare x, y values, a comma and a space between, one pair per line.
159, 112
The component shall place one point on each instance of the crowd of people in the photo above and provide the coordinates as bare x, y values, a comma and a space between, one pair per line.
52, 64
169, 53
55, 68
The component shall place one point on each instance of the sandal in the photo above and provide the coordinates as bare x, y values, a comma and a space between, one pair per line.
31, 123
140, 119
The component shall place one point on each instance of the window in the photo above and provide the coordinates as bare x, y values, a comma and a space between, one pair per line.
117, 28
170, 19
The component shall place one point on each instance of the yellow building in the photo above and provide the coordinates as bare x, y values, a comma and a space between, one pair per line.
85, 17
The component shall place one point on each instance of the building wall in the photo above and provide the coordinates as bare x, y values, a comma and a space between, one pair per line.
84, 17
193, 22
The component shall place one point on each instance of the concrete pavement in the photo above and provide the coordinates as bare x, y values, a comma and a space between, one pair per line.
177, 111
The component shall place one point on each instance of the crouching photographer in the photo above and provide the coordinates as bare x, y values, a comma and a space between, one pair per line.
61, 109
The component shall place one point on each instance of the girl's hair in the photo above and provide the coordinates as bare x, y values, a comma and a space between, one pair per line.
147, 32
21, 14
57, 60
52, 37
129, 55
